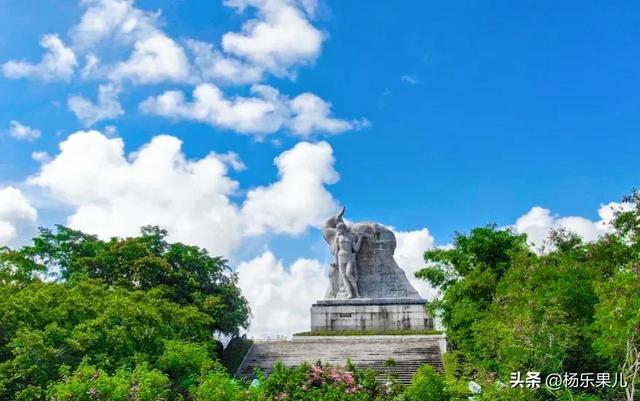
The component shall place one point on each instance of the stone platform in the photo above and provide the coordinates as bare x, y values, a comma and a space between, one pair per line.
361, 314
409, 352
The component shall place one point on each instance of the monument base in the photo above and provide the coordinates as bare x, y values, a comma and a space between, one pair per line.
364, 314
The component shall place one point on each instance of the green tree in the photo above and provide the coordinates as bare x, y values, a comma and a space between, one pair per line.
573, 307
427, 385
187, 275
89, 383
467, 274
45, 326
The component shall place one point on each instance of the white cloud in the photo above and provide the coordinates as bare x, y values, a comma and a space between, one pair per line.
110, 131
299, 197
410, 249
410, 79
40, 156
249, 115
123, 44
117, 19
214, 66
17, 217
280, 297
266, 112
113, 194
91, 67
155, 59
312, 115
107, 107
23, 132
538, 223
57, 64
280, 38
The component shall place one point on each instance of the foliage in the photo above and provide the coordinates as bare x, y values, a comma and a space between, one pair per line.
468, 274
320, 382
89, 383
133, 319
186, 275
427, 385
49, 325
571, 307
123, 316
217, 386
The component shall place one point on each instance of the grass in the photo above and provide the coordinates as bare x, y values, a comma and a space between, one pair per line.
367, 333
234, 353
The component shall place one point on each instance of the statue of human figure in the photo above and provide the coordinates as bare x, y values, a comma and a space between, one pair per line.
345, 247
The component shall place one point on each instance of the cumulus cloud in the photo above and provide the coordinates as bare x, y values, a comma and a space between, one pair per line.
125, 45
17, 217
279, 296
114, 194
299, 197
410, 249
265, 112
155, 59
258, 114
58, 63
213, 65
107, 107
117, 19
311, 115
538, 223
23, 132
280, 37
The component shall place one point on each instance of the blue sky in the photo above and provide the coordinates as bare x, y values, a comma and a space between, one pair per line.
441, 115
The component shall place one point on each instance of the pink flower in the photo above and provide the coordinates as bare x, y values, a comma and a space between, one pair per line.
347, 378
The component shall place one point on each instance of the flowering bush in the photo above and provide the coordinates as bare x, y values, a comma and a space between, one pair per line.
320, 382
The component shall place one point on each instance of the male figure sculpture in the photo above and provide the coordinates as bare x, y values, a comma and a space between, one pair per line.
345, 247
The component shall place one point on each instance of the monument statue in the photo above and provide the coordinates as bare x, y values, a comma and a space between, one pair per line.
363, 266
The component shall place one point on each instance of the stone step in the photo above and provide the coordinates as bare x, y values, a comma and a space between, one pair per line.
408, 352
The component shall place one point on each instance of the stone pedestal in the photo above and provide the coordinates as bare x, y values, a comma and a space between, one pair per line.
370, 314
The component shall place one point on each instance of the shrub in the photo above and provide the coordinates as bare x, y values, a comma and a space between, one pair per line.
427, 385
89, 383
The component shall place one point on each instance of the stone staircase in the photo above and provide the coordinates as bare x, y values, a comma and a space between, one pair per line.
408, 352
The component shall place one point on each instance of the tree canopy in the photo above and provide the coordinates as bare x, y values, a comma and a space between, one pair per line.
134, 310
573, 307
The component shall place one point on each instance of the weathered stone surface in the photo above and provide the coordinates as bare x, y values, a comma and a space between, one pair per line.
379, 276
409, 352
370, 314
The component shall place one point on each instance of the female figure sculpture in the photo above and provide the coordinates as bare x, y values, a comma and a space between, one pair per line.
344, 247
363, 263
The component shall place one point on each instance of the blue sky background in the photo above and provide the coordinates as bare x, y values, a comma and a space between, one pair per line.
478, 110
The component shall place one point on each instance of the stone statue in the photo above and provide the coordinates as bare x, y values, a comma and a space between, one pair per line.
367, 289
364, 266
345, 247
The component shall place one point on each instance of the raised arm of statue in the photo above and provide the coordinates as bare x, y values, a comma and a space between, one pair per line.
329, 227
